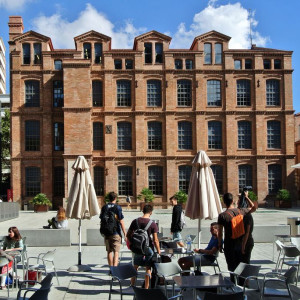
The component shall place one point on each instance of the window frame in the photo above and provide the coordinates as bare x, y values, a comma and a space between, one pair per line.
238, 64
218, 54
214, 139
37, 53
123, 93
58, 67
148, 59
184, 175
87, 51
98, 136
125, 184
98, 172
274, 180
154, 93
273, 134
272, 92
98, 53
244, 134
59, 181
158, 54
267, 64
58, 93
32, 94
155, 180
184, 93
26, 57
124, 139
33, 186
217, 171
185, 135
97, 93
178, 64
243, 93
118, 64
32, 135
154, 134
58, 136
212, 92
207, 54
246, 168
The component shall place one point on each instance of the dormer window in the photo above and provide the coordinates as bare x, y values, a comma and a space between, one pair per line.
37, 50
178, 64
158, 53
148, 53
218, 53
207, 54
87, 51
26, 53
98, 53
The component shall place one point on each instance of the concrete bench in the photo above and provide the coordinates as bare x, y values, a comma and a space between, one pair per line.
47, 237
9, 210
94, 238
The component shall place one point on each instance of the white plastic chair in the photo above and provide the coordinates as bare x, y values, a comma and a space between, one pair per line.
44, 262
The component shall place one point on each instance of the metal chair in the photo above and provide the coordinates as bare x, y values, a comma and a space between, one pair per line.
124, 250
293, 254
215, 264
5, 264
44, 262
295, 240
150, 294
121, 273
213, 296
45, 285
278, 285
167, 270
279, 246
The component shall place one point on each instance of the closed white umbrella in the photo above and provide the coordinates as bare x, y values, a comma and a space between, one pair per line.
203, 197
297, 166
82, 201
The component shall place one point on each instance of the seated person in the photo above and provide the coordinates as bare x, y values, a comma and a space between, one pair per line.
58, 222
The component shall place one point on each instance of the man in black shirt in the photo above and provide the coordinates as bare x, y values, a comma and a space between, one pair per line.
175, 225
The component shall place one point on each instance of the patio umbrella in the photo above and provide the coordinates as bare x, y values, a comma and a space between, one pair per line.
297, 166
82, 201
203, 197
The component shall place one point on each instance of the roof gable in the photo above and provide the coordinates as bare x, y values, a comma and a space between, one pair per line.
211, 35
92, 35
153, 34
36, 36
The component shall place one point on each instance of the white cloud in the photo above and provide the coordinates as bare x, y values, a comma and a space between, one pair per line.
13, 4
62, 32
231, 19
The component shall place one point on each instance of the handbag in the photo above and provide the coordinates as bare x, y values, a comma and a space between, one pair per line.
33, 277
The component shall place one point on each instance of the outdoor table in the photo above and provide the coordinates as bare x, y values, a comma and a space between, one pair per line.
202, 282
15, 254
177, 251
284, 238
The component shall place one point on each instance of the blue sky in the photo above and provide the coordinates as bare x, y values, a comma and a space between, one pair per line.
275, 24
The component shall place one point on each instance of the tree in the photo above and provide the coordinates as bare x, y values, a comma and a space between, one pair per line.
5, 143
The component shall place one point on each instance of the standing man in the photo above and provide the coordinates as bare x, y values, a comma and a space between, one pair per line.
232, 247
175, 225
112, 222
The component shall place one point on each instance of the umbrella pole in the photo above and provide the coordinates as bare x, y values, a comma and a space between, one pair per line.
79, 244
199, 233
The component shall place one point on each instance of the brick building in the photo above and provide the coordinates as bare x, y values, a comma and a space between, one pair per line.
139, 116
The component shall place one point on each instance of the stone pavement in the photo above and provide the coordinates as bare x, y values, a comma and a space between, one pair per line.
95, 284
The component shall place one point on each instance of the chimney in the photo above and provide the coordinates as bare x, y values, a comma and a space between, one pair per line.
16, 27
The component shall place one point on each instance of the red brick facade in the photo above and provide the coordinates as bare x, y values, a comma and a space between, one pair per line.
78, 113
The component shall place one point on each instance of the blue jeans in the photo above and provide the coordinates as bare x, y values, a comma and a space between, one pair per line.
177, 236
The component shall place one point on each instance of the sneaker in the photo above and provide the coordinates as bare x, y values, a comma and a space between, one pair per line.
46, 227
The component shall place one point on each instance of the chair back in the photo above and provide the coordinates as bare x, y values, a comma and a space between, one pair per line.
290, 275
245, 270
149, 294
291, 251
41, 294
123, 271
24, 239
46, 282
168, 269
279, 245
49, 255
296, 241
213, 296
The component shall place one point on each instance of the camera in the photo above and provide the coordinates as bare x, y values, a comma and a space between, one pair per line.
247, 188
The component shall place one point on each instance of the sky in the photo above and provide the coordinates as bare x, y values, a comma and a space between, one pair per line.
274, 23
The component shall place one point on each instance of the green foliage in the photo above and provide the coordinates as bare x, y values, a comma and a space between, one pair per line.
5, 140
146, 195
221, 198
252, 196
41, 199
283, 195
181, 196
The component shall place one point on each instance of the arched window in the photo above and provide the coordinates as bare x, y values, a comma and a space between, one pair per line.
184, 175
125, 181
99, 180
154, 136
214, 135
124, 136
213, 92
243, 92
245, 176
155, 179
123, 93
273, 92
185, 135
32, 93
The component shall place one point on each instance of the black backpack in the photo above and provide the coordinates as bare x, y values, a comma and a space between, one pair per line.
140, 239
109, 223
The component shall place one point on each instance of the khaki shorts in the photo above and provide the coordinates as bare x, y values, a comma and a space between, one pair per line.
113, 243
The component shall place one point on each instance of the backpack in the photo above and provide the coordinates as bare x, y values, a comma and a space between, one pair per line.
109, 223
182, 220
140, 239
237, 225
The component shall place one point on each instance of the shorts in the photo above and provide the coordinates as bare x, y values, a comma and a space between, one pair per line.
143, 260
177, 236
113, 243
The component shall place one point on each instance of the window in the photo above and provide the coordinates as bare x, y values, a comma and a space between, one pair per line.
37, 52
87, 51
273, 135
124, 136
218, 174
98, 53
214, 135
58, 93
59, 182
248, 64
118, 64
277, 64
58, 64
153, 93
125, 181
154, 136
99, 180
155, 178
32, 135
185, 137
128, 64
26, 53
178, 64
158, 53
97, 93
123, 93
58, 136
207, 54
243, 92
184, 178
218, 53
184, 93
237, 64
32, 93
214, 93
97, 136
244, 135
267, 64
273, 92
148, 53
32, 181
245, 176
189, 64
274, 178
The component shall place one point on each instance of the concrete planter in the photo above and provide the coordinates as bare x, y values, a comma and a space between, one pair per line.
40, 208
283, 204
